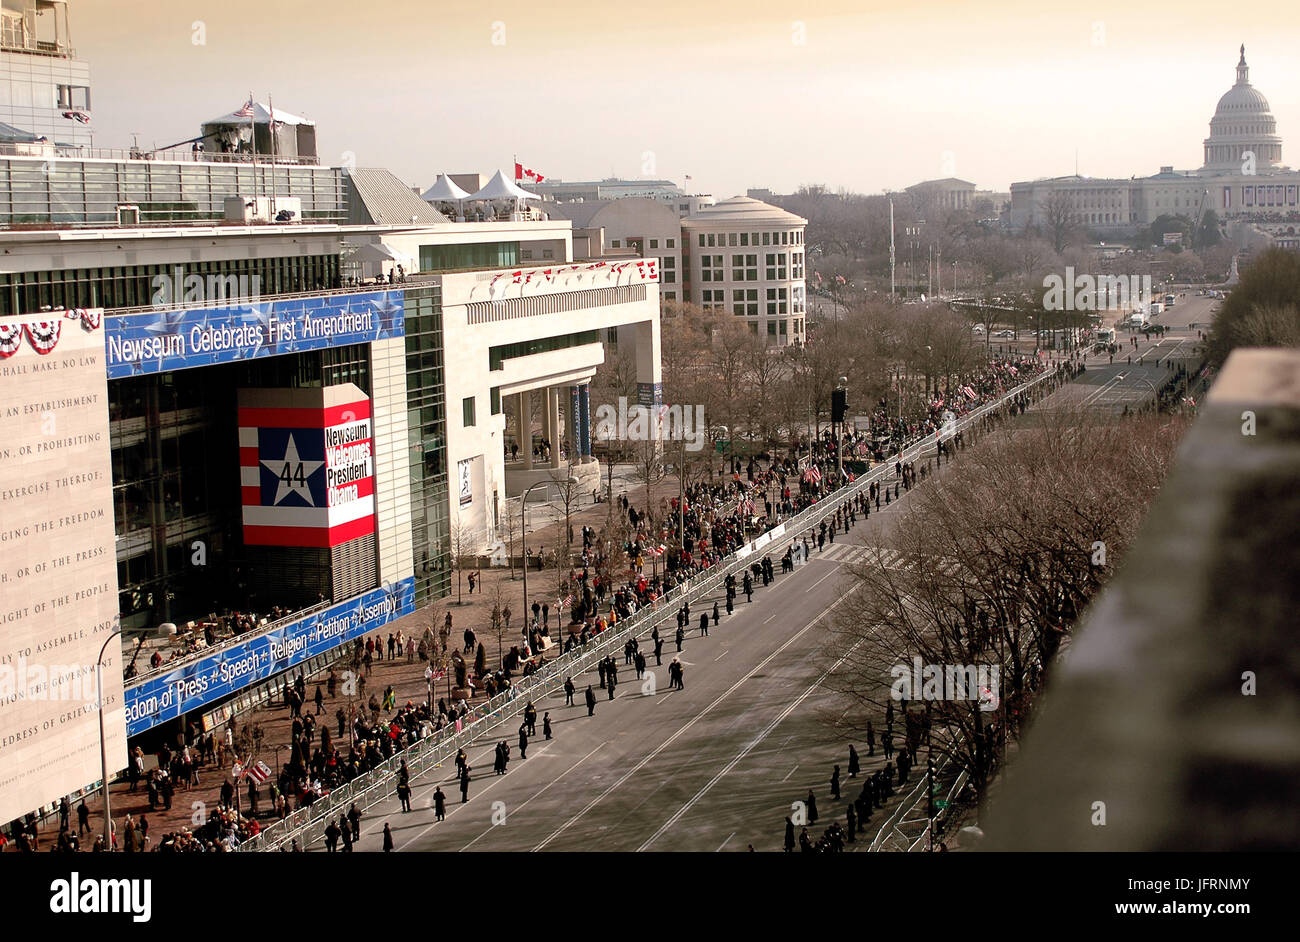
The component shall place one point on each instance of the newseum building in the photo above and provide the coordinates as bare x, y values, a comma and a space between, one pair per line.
244, 482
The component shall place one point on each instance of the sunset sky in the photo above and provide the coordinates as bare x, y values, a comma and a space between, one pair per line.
875, 98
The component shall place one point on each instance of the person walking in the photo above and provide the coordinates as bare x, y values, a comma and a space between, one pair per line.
439, 805
704, 624
388, 839
680, 637
789, 835
568, 691
835, 784
546, 724
811, 803
854, 765
715, 614
591, 701
464, 785
523, 741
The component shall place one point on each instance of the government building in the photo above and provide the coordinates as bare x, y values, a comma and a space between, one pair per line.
1242, 179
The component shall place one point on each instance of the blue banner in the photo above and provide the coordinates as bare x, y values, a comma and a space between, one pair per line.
201, 682
162, 340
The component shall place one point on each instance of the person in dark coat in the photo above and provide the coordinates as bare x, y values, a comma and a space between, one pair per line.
523, 741
789, 835
546, 725
812, 807
439, 805
852, 818
464, 785
871, 739
835, 784
591, 701
854, 766
388, 839
715, 614
704, 623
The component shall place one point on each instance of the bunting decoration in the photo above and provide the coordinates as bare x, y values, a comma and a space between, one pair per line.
11, 338
43, 335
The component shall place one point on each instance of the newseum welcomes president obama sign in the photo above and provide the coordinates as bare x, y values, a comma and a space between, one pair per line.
166, 696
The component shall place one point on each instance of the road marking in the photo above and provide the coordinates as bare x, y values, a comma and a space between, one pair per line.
792, 771
724, 843
519, 808
663, 829
684, 729
723, 654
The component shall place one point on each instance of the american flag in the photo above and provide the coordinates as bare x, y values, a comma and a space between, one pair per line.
566, 601
813, 475
259, 772
246, 111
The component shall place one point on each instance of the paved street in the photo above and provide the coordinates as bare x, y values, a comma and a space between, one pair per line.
1111, 387
712, 767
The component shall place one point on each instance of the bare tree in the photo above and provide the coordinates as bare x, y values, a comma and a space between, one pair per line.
1060, 217
462, 542
982, 575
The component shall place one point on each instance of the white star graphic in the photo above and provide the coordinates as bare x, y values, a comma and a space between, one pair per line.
299, 471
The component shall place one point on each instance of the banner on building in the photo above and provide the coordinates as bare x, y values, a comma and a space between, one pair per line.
160, 340
306, 465
159, 698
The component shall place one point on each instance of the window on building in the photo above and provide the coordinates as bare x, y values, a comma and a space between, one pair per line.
654, 243
713, 240
616, 244
744, 238
467, 412
701, 240
670, 244
767, 238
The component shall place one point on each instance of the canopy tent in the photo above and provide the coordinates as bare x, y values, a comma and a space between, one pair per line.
376, 252
261, 115
500, 188
12, 135
294, 136
444, 190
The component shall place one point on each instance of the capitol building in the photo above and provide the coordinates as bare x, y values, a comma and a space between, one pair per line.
1242, 178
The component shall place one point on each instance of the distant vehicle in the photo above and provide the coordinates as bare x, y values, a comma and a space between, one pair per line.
1156, 308
1105, 337
1005, 333
977, 329
1169, 300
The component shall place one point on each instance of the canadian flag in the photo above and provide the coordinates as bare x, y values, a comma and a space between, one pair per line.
525, 173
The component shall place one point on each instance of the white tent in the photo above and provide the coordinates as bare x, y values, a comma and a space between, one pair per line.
261, 115
444, 190
499, 188
376, 252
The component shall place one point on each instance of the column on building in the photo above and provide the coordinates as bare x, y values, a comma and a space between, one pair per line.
583, 425
550, 397
525, 427
649, 378
573, 423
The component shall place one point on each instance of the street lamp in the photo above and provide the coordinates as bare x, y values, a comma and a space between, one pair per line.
103, 742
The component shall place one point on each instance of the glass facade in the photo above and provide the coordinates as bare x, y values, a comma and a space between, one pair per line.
88, 192
426, 420
176, 488
480, 255
133, 285
498, 355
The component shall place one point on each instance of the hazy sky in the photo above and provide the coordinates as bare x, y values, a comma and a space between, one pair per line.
874, 97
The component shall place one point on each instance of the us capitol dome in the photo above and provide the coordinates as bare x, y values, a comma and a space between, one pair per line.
1242, 122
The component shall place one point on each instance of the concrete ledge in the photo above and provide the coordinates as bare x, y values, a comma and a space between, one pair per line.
586, 471
1147, 713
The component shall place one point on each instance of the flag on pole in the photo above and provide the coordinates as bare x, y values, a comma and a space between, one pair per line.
259, 772
527, 173
247, 111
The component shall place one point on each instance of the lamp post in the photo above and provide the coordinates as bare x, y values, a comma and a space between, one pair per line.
103, 742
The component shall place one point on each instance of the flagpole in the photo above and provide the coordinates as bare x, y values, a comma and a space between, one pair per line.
252, 138
271, 129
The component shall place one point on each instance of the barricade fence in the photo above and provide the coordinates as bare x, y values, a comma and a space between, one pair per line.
307, 824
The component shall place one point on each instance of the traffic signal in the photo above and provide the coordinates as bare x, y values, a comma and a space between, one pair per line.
839, 404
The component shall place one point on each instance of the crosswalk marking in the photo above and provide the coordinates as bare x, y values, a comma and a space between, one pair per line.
889, 559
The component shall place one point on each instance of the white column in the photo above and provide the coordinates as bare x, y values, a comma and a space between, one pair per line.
525, 429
